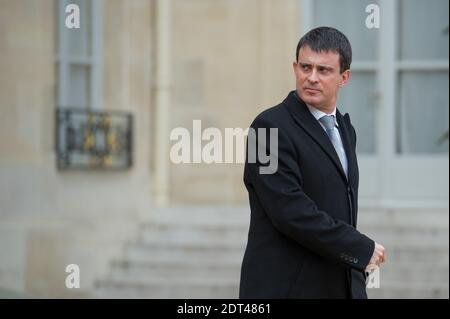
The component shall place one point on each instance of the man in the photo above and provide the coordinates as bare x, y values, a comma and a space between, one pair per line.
302, 240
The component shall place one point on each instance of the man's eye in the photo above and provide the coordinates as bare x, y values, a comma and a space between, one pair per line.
305, 67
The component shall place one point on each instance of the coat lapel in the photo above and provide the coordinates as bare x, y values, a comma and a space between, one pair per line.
306, 120
344, 130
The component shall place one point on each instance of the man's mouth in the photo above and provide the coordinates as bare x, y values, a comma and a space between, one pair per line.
311, 90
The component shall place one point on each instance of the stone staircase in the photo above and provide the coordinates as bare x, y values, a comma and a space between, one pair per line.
196, 252
417, 252
191, 252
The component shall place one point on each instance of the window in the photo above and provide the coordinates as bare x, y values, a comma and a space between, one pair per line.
79, 56
359, 98
422, 66
397, 97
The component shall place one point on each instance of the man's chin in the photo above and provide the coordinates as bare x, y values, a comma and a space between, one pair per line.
310, 101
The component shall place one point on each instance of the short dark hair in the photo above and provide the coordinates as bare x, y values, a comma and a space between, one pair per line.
328, 39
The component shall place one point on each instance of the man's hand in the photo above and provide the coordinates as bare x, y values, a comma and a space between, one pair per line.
378, 257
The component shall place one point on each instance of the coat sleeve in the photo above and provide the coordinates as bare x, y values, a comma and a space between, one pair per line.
294, 214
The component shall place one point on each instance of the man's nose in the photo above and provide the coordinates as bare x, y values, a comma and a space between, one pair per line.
313, 76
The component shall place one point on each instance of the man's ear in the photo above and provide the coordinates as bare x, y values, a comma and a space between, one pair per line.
345, 76
294, 66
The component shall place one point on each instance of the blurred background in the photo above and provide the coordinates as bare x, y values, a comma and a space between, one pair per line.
86, 114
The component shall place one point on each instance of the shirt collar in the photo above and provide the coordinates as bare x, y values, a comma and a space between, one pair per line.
318, 114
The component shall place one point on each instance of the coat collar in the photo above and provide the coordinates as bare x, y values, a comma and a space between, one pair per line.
303, 117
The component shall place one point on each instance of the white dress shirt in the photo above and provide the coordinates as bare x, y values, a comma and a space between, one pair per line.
319, 114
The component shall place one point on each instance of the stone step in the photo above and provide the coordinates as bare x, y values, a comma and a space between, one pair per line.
414, 272
378, 219
398, 262
119, 291
177, 272
426, 275
366, 215
236, 235
183, 252
398, 290
433, 254
409, 219
420, 238
404, 218
165, 233
405, 229
203, 214
390, 224
200, 245
204, 210
174, 271
161, 288
174, 281
395, 244
233, 255
191, 290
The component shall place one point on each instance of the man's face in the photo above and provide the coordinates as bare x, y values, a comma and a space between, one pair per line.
318, 78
